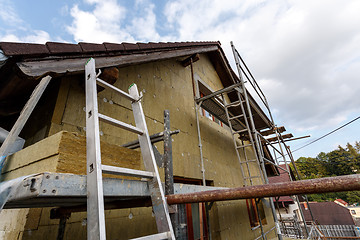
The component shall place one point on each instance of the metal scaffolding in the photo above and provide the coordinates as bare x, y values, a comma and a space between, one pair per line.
238, 115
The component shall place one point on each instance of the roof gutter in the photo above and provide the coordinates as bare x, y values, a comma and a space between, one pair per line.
36, 68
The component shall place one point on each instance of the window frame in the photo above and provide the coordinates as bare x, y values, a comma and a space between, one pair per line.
203, 221
253, 215
201, 90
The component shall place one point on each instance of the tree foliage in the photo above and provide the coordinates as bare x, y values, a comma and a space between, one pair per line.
341, 161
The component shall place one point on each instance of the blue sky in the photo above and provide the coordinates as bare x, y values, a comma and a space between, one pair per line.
304, 54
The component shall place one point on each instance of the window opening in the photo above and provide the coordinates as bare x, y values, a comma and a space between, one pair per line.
253, 214
194, 213
203, 90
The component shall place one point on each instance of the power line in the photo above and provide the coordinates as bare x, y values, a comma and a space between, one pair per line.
327, 134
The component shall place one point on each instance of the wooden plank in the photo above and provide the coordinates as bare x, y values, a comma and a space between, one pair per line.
24, 116
271, 131
190, 60
38, 68
285, 136
61, 101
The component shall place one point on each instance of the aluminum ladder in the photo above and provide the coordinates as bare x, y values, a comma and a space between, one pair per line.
241, 150
255, 142
95, 197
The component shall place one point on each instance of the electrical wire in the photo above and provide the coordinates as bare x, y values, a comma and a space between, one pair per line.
326, 134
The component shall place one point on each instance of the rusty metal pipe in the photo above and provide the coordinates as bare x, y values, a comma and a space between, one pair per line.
320, 185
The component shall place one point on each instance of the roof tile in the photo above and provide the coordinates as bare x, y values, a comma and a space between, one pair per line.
56, 48
28, 49
130, 46
92, 47
144, 46
114, 46
14, 49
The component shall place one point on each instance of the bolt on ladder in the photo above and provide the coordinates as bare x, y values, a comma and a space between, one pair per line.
95, 199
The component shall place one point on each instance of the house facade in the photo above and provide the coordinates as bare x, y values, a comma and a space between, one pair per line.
163, 74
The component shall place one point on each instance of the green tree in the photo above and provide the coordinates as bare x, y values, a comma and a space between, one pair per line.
310, 168
341, 161
353, 197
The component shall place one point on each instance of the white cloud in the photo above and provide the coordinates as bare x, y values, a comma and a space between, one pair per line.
144, 27
100, 25
8, 14
35, 36
38, 36
109, 21
15, 29
305, 54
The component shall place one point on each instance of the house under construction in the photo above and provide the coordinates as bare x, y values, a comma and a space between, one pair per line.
108, 123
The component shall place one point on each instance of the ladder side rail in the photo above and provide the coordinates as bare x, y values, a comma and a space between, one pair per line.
234, 141
95, 200
259, 217
247, 104
254, 87
299, 177
251, 80
24, 116
245, 111
261, 163
268, 142
247, 165
264, 100
160, 206
244, 151
272, 205
245, 114
253, 128
279, 137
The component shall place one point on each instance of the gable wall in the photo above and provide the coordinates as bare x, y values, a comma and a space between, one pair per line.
165, 85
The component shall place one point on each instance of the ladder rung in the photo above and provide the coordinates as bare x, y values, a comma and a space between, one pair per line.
120, 124
251, 160
235, 117
126, 171
252, 177
244, 146
233, 104
240, 131
115, 89
159, 236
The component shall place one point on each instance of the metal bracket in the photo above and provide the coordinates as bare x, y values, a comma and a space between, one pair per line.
98, 74
173, 208
158, 157
140, 97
